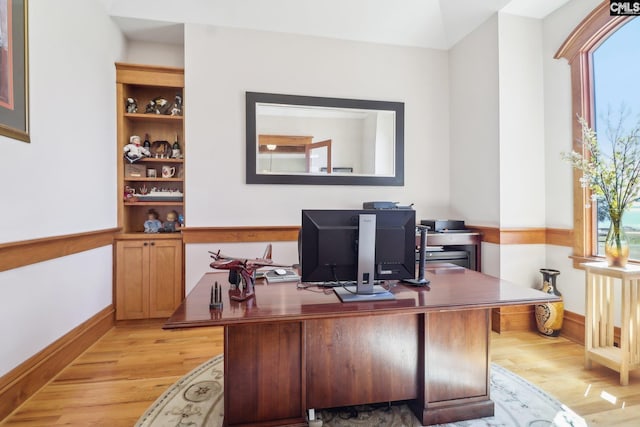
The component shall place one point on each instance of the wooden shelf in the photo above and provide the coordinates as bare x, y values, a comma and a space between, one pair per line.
154, 160
144, 179
154, 203
602, 354
159, 117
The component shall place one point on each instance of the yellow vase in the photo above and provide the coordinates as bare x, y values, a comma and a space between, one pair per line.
616, 246
549, 316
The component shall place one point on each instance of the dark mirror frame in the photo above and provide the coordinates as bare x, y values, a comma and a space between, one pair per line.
254, 98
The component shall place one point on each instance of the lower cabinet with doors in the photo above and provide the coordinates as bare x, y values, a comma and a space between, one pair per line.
148, 276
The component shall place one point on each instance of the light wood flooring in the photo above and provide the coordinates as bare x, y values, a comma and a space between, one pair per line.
115, 380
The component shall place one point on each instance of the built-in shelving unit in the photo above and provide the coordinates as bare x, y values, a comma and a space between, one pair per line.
149, 266
144, 84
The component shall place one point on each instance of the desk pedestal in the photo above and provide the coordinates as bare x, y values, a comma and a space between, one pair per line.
439, 361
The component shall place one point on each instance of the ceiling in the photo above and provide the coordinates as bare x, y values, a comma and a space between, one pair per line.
437, 24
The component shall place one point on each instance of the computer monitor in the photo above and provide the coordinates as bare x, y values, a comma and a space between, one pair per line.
331, 242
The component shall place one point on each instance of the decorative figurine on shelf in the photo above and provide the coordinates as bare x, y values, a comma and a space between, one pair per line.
171, 225
161, 149
146, 144
129, 194
133, 151
176, 109
152, 224
175, 149
132, 105
158, 105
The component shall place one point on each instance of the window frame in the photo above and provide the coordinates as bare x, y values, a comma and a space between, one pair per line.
577, 49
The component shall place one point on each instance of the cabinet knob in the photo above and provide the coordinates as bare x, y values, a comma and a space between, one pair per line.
153, 243
145, 244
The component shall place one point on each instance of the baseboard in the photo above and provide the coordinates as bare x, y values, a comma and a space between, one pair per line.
513, 318
23, 381
573, 327
521, 318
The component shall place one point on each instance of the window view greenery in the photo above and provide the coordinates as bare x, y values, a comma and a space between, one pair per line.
616, 66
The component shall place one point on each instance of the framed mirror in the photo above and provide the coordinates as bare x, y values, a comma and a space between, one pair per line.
324, 141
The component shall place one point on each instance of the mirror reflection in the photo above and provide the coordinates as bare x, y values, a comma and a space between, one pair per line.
311, 140
303, 139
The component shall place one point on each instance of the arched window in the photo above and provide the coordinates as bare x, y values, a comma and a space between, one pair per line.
616, 106
586, 49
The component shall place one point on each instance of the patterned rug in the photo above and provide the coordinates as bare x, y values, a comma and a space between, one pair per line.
196, 400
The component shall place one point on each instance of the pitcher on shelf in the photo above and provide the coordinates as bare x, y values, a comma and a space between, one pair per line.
168, 171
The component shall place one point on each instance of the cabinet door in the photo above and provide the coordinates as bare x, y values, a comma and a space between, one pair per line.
165, 277
132, 279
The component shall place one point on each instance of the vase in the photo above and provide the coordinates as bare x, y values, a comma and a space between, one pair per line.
616, 245
549, 315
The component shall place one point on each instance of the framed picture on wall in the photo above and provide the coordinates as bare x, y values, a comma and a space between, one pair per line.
14, 70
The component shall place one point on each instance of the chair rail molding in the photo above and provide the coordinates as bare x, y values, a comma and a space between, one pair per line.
26, 252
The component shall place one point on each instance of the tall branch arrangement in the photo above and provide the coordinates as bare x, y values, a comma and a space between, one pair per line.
614, 175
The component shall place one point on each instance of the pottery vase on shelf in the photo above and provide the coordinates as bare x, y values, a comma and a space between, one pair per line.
616, 245
549, 315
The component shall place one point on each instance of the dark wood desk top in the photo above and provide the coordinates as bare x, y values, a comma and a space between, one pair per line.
451, 288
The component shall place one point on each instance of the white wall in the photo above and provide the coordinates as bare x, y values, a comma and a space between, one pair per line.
63, 182
474, 169
148, 53
522, 169
42, 302
571, 281
497, 144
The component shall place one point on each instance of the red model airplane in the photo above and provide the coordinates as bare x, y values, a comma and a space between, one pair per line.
245, 268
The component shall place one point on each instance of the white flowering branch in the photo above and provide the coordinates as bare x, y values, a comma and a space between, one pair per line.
615, 176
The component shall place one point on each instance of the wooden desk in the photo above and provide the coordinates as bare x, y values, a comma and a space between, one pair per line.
599, 344
288, 350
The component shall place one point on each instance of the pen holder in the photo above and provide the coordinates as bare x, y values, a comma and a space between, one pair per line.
215, 303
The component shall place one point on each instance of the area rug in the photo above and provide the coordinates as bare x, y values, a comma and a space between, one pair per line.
196, 400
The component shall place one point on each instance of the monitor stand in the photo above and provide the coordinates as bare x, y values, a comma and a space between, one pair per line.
349, 294
365, 290
366, 253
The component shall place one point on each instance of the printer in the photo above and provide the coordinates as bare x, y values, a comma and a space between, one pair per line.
445, 225
384, 205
